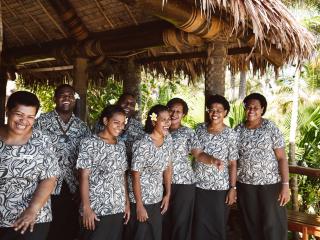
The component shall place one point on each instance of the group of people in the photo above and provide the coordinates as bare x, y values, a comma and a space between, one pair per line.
163, 181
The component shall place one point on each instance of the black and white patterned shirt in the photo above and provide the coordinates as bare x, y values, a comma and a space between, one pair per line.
107, 164
66, 139
21, 170
222, 146
184, 140
133, 131
257, 164
150, 161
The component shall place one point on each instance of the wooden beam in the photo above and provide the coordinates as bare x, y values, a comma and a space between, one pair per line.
70, 18
310, 172
46, 69
190, 55
80, 84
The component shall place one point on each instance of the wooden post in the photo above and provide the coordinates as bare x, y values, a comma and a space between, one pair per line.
80, 83
3, 77
131, 77
242, 85
215, 69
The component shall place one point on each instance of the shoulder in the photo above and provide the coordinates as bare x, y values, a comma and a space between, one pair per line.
239, 127
232, 133
201, 127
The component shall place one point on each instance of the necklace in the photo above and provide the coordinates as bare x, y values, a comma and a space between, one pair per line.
64, 137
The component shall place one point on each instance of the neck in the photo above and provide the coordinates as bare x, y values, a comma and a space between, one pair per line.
174, 127
253, 124
65, 116
107, 137
12, 138
216, 127
156, 135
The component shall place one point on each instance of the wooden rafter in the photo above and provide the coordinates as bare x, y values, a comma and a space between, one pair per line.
47, 69
12, 32
52, 19
34, 20
102, 11
130, 14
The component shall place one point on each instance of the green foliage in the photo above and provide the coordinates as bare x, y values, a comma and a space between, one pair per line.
236, 114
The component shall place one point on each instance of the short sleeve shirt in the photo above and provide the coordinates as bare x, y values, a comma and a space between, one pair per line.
66, 139
184, 140
257, 164
222, 146
107, 164
150, 161
21, 170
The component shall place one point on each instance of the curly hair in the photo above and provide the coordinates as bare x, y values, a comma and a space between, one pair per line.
157, 109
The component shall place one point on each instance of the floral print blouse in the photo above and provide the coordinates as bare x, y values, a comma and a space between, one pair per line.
107, 164
223, 146
257, 164
150, 161
22, 168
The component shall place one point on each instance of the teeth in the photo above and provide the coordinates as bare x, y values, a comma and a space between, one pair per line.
19, 126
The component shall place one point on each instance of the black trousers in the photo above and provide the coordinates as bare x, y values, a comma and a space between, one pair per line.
65, 213
149, 230
261, 214
177, 221
210, 215
40, 232
108, 228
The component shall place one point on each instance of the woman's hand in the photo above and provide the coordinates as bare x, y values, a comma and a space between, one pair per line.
284, 195
26, 219
231, 196
88, 218
165, 204
142, 214
127, 213
218, 163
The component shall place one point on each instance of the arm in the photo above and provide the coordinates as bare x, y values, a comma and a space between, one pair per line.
232, 194
40, 197
142, 214
127, 208
167, 177
89, 216
205, 158
284, 195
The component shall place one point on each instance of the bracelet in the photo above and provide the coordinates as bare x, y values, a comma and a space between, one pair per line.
285, 183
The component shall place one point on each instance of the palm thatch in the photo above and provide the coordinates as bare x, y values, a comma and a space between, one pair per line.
270, 21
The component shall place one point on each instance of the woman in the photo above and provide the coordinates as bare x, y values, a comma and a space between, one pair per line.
215, 187
263, 178
102, 163
151, 168
177, 222
28, 171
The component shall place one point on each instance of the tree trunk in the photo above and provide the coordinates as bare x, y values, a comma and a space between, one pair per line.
131, 78
242, 85
80, 84
292, 142
3, 78
233, 86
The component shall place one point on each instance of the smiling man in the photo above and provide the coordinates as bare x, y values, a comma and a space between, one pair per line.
66, 132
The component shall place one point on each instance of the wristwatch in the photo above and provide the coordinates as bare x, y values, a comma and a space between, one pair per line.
233, 187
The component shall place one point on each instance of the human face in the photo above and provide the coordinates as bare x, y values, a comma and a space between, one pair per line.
163, 123
65, 100
115, 124
176, 114
128, 105
216, 113
253, 110
21, 119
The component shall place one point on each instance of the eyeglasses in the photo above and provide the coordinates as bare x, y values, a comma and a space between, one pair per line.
215, 111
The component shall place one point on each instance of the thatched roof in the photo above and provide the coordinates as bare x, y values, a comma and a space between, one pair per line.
37, 24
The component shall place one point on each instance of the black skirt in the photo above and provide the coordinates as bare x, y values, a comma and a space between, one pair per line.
149, 230
261, 214
177, 221
210, 215
109, 227
40, 232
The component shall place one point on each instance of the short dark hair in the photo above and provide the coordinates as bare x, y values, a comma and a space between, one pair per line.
218, 99
260, 98
109, 111
148, 128
23, 98
62, 86
123, 97
174, 101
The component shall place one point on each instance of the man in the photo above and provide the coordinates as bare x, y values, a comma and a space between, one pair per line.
66, 132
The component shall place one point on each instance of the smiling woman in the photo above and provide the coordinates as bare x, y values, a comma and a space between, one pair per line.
25, 208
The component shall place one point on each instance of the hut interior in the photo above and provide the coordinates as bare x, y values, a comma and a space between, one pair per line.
51, 41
